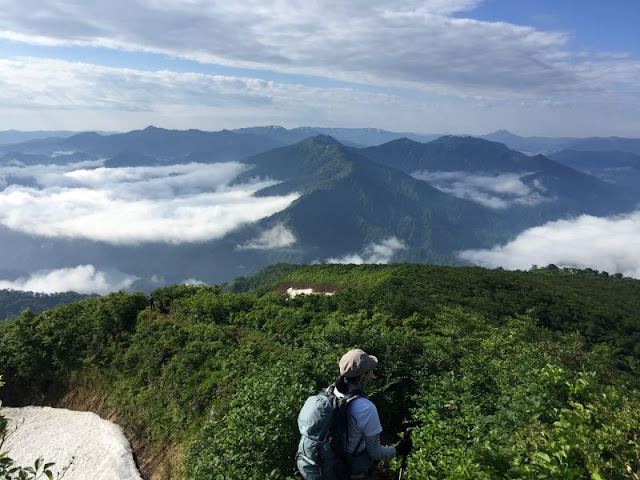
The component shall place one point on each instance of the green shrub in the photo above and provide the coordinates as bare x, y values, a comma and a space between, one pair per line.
258, 436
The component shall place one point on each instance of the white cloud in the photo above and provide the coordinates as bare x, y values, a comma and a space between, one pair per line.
606, 244
497, 191
462, 75
36, 93
81, 279
373, 253
407, 42
173, 204
278, 236
104, 96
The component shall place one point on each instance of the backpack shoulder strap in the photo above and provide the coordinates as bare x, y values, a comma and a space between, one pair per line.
357, 393
350, 397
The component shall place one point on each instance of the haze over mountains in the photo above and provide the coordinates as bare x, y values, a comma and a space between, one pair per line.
154, 206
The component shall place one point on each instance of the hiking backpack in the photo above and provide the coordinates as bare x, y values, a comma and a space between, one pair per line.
323, 426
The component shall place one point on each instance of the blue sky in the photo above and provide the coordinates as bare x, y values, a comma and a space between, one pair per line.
554, 68
594, 25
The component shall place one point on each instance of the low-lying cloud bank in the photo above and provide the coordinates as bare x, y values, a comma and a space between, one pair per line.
497, 191
605, 244
279, 236
381, 252
84, 279
126, 206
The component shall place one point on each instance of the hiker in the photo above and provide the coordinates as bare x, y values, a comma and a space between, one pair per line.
152, 305
364, 428
340, 428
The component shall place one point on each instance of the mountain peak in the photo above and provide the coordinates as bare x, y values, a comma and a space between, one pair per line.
323, 140
403, 141
502, 135
85, 136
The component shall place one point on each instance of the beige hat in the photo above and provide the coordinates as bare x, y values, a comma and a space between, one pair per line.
356, 362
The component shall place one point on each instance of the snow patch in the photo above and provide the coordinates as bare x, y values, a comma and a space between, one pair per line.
294, 292
94, 448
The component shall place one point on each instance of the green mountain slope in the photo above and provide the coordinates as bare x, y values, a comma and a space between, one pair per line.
13, 302
349, 201
499, 370
600, 305
560, 191
452, 153
311, 164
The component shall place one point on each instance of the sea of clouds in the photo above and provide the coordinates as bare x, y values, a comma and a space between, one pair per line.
129, 206
132, 205
605, 244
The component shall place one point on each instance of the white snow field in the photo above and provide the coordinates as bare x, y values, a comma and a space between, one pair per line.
96, 449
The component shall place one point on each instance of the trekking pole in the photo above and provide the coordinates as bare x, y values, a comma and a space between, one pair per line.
403, 466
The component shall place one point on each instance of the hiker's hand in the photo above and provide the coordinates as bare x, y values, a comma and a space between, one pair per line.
404, 446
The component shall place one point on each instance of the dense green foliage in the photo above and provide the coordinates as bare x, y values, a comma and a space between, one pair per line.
507, 374
13, 302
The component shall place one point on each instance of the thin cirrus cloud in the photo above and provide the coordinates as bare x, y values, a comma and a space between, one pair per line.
85, 279
128, 206
497, 191
377, 253
606, 244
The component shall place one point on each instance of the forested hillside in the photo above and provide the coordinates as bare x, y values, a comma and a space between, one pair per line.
13, 302
506, 374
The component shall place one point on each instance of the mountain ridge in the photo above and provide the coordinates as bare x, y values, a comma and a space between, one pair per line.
383, 202
351, 201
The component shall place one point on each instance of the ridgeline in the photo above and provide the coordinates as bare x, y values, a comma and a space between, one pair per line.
508, 374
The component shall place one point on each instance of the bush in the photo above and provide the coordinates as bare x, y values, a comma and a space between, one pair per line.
258, 436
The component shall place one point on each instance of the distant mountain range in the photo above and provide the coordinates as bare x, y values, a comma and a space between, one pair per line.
554, 144
356, 137
9, 137
157, 142
360, 192
164, 143
374, 193
615, 167
556, 189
